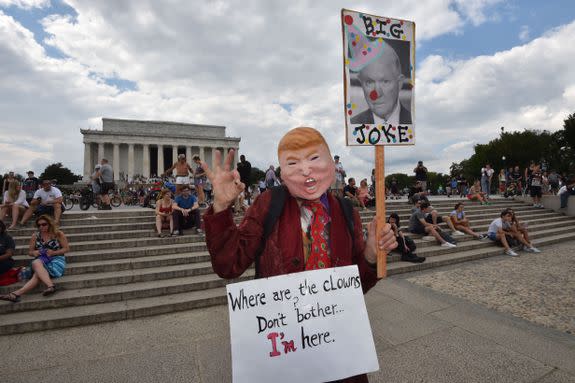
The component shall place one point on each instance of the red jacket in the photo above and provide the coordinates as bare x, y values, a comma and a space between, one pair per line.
232, 247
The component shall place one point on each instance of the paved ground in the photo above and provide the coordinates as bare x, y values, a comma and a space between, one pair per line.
421, 335
536, 287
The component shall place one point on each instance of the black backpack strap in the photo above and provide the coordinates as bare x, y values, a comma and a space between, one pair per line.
347, 209
276, 207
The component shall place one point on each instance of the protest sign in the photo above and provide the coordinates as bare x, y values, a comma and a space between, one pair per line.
379, 74
378, 82
304, 327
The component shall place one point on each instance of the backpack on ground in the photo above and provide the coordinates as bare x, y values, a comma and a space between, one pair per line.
278, 199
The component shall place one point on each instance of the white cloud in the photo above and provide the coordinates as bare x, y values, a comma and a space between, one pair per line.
524, 33
25, 4
232, 64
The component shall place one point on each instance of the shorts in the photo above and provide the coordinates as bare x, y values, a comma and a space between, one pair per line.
429, 219
535, 191
492, 236
44, 209
106, 187
182, 180
200, 181
418, 230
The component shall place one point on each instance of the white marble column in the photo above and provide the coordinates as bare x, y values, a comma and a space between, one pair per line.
201, 154
100, 151
174, 154
189, 154
116, 161
130, 161
214, 156
160, 160
146, 160
88, 165
236, 157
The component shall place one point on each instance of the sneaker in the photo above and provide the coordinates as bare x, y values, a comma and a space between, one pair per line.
511, 253
428, 238
199, 231
457, 232
482, 237
532, 249
175, 232
448, 244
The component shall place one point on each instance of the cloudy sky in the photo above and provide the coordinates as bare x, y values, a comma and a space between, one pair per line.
261, 67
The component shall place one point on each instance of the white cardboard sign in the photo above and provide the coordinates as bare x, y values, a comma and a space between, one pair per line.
305, 327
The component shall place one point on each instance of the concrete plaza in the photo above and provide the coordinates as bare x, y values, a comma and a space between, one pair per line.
421, 335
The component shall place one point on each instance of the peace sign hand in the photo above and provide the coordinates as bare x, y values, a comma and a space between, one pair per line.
226, 184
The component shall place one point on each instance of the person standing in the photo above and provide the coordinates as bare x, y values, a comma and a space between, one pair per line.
486, 175
106, 175
339, 183
536, 188
421, 175
7, 180
30, 185
183, 170
200, 180
245, 170
271, 178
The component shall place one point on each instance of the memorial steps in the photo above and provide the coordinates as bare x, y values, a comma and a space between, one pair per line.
119, 269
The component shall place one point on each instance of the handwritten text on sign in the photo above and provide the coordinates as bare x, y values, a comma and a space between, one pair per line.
310, 326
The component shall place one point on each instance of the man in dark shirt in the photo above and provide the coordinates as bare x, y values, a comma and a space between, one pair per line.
30, 185
350, 191
421, 174
7, 247
245, 170
186, 212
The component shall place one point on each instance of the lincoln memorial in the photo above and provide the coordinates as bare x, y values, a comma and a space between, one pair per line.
147, 148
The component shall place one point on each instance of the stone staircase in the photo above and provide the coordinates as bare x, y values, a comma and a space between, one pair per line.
118, 269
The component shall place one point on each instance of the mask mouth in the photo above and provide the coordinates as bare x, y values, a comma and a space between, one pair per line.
310, 183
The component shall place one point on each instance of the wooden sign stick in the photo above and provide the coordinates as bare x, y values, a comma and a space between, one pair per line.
380, 206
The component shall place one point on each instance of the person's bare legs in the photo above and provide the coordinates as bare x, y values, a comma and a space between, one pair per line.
159, 224
57, 213
503, 239
40, 275
29, 212
467, 229
449, 223
4, 212
431, 231
171, 218
201, 195
15, 215
31, 284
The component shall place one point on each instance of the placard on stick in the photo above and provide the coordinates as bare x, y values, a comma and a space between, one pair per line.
304, 327
379, 74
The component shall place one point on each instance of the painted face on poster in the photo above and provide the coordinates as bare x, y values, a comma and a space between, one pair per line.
304, 327
379, 57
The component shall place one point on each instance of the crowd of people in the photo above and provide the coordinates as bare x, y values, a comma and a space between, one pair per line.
186, 189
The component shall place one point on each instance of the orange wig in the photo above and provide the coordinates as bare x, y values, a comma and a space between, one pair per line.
301, 138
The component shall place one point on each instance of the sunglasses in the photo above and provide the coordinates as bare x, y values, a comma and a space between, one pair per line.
42, 224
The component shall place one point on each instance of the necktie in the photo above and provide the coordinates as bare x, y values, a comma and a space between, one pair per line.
319, 255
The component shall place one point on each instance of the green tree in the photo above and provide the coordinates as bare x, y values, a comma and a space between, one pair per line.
256, 175
403, 180
61, 174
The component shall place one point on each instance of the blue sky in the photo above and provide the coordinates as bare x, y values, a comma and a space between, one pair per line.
68, 63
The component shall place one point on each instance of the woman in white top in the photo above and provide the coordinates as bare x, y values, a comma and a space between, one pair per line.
14, 202
461, 222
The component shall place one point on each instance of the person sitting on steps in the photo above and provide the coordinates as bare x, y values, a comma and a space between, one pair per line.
519, 231
164, 212
419, 225
461, 223
186, 212
46, 200
47, 247
405, 245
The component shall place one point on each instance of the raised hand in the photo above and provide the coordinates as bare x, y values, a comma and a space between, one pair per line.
226, 184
